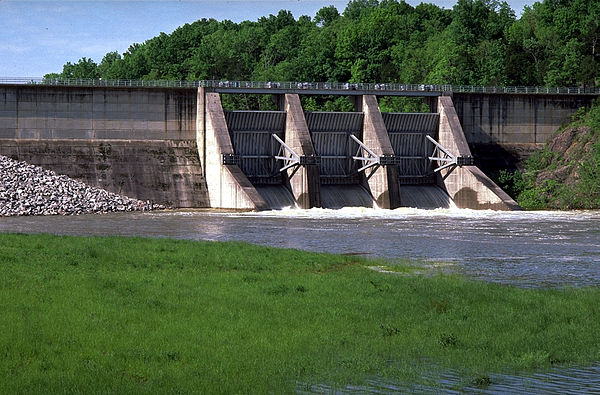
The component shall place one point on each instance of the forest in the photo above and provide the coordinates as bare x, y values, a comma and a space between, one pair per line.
477, 42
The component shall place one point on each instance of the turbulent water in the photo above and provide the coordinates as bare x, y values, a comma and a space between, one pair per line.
340, 196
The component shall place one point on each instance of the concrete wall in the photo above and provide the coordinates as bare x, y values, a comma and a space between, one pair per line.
514, 119
137, 142
46, 112
162, 171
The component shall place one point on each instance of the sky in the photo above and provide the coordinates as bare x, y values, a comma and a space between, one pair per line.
39, 37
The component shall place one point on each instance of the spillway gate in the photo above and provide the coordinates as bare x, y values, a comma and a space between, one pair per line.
255, 149
335, 159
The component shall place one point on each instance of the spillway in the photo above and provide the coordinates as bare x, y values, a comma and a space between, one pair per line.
364, 158
277, 196
338, 196
425, 197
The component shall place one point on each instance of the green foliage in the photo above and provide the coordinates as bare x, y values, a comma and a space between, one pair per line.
511, 181
402, 104
593, 118
477, 42
326, 16
327, 103
84, 68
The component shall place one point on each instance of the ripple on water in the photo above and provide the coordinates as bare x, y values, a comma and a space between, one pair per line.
559, 380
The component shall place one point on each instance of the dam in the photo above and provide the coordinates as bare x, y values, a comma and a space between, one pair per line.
174, 144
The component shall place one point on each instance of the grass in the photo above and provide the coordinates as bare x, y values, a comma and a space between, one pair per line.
132, 315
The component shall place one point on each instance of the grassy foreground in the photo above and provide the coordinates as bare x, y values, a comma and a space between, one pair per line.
132, 315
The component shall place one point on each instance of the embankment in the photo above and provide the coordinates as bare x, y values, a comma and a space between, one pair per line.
565, 174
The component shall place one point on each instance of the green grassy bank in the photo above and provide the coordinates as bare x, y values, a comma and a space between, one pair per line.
132, 315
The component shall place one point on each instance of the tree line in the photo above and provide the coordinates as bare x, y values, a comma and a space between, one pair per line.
477, 42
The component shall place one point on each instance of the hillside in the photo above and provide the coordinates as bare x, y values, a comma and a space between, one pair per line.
566, 173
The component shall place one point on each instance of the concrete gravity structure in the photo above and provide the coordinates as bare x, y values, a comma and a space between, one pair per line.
177, 146
259, 160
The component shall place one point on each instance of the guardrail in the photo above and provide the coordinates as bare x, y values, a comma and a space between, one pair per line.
288, 85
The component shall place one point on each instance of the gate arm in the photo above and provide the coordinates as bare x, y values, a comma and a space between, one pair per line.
370, 160
288, 161
448, 160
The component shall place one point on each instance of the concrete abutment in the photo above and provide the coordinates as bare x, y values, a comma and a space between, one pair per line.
468, 186
228, 187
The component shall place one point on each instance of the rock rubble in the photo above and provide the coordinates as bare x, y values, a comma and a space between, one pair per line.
31, 190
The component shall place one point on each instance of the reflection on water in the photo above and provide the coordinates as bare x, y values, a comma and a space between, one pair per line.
563, 380
521, 248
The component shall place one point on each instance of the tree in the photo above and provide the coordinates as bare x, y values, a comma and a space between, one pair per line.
326, 16
356, 9
110, 66
84, 68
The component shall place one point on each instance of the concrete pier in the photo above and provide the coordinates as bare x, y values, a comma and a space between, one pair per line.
228, 186
302, 180
382, 181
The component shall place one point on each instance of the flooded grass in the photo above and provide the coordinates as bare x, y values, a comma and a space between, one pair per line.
116, 314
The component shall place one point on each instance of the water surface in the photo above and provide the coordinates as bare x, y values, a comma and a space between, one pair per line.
529, 249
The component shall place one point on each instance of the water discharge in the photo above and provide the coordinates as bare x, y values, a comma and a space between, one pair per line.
339, 196
276, 196
425, 197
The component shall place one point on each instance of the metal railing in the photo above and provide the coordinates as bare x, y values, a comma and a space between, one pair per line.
299, 86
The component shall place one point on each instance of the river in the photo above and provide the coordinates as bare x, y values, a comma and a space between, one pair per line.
527, 249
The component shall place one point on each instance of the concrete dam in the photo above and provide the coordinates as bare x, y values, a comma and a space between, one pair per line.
178, 146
